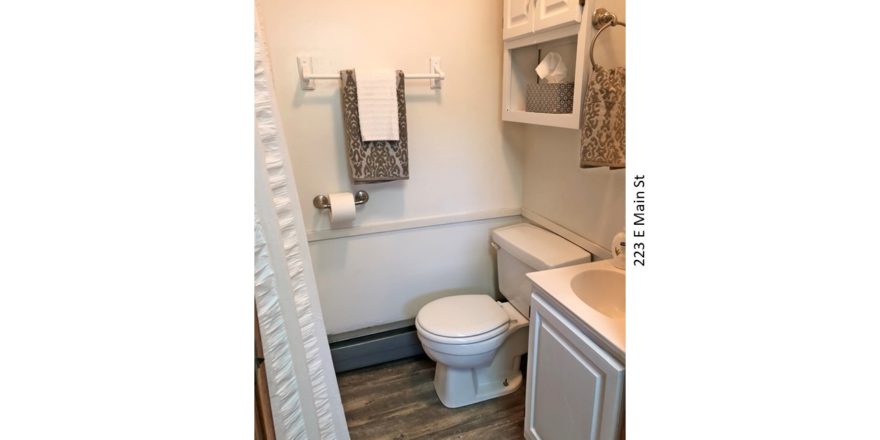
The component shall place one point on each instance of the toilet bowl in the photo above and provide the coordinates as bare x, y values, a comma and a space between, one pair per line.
478, 342
477, 349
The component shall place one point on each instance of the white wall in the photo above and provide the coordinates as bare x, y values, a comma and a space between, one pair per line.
588, 202
460, 160
380, 278
463, 159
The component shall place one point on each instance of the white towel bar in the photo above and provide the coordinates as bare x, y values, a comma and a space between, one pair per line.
307, 78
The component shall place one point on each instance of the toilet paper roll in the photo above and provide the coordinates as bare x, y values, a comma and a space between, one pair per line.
341, 209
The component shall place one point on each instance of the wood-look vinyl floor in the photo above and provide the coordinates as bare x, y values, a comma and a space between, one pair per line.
396, 401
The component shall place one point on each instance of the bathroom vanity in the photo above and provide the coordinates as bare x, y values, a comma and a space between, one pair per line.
576, 353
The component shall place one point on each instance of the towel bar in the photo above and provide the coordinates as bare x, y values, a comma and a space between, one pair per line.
307, 77
321, 201
602, 19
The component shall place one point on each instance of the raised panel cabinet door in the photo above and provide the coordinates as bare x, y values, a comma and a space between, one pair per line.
553, 13
517, 18
574, 388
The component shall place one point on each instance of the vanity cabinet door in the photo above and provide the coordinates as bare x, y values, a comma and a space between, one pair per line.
574, 388
517, 18
552, 13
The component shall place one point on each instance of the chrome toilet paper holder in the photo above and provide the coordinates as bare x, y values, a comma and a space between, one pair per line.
322, 201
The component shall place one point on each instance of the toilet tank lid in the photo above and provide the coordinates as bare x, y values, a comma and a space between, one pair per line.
538, 248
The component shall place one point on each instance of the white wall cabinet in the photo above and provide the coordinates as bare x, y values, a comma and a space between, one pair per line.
522, 17
517, 19
531, 28
574, 388
553, 13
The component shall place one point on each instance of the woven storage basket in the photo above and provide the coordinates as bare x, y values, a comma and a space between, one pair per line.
550, 98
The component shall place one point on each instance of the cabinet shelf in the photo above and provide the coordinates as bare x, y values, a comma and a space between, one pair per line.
563, 120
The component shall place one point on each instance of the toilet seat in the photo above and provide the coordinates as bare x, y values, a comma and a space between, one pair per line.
462, 340
462, 319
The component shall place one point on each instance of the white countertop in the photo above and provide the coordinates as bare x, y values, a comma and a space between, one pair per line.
555, 285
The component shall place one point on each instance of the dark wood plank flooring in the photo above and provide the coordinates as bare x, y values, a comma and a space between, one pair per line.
397, 401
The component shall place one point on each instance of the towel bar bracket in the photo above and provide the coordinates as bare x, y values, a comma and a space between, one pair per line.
434, 68
322, 201
304, 64
308, 76
603, 17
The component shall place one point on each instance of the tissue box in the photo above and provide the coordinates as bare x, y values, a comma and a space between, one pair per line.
550, 98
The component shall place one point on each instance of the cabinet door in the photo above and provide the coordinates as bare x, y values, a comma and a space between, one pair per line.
552, 13
574, 388
517, 18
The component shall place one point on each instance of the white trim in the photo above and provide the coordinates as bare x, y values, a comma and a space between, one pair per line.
599, 252
280, 221
543, 36
398, 225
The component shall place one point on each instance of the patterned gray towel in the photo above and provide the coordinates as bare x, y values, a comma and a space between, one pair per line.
603, 137
373, 161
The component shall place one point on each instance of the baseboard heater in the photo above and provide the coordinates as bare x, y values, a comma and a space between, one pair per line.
350, 353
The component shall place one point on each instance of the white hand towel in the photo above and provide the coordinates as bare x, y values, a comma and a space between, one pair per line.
377, 105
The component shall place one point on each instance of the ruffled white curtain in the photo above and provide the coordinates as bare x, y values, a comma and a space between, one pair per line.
303, 391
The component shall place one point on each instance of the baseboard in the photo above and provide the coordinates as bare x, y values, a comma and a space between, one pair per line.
371, 331
374, 349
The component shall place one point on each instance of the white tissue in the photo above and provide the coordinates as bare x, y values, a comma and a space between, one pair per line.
341, 210
552, 68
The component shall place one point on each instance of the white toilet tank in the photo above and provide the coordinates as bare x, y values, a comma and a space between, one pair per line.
523, 248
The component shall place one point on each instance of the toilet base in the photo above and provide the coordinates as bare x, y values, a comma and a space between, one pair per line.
457, 387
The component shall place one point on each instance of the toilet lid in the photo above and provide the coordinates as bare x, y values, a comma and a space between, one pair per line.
462, 316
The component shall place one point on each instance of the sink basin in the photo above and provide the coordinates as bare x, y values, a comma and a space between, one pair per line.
594, 293
603, 290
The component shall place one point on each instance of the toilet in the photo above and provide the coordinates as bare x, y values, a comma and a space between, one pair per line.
478, 342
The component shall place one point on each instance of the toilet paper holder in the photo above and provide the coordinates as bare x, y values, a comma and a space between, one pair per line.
321, 201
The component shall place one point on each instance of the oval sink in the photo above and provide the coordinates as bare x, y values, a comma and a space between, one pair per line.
603, 289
